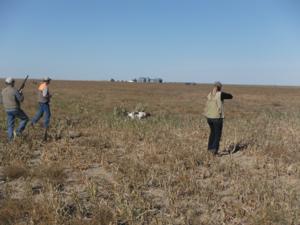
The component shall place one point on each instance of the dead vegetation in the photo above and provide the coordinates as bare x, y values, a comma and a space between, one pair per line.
14, 171
99, 167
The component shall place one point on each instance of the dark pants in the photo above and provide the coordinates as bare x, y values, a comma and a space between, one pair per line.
43, 108
11, 118
216, 126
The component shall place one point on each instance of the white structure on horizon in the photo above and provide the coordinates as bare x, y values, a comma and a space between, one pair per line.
149, 80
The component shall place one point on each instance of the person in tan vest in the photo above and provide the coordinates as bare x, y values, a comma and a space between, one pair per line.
44, 97
214, 113
11, 99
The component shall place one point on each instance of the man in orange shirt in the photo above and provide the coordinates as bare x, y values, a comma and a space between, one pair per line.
44, 107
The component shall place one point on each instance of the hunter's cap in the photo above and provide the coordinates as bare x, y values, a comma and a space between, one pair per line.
9, 80
218, 84
46, 79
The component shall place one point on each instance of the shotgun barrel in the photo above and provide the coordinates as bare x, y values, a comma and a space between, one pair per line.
23, 84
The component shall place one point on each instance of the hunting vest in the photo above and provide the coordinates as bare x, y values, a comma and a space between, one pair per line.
214, 106
9, 98
41, 98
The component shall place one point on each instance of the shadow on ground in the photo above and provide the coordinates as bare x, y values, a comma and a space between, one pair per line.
236, 147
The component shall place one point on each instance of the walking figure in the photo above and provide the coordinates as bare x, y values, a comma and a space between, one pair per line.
11, 99
44, 97
214, 113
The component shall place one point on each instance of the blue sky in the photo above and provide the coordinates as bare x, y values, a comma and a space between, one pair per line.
234, 41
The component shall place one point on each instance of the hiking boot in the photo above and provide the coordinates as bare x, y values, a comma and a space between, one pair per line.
32, 125
45, 138
213, 151
16, 134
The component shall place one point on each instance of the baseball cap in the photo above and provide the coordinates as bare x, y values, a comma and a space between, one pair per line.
46, 78
9, 80
218, 84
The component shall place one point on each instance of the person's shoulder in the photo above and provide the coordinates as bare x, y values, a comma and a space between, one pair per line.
9, 88
42, 86
223, 92
219, 93
210, 95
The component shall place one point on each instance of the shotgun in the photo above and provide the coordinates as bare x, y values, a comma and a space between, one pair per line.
23, 84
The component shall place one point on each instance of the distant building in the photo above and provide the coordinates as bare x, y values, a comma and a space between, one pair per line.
142, 80
190, 83
149, 80
156, 80
132, 81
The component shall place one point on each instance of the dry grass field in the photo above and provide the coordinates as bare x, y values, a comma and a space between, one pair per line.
99, 167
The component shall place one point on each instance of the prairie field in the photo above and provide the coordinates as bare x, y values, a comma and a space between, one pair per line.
101, 167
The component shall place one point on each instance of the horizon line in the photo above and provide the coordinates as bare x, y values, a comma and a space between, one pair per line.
164, 82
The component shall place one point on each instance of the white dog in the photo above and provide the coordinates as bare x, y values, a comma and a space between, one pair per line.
138, 115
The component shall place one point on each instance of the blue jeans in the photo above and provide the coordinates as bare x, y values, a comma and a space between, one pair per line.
11, 118
216, 126
43, 108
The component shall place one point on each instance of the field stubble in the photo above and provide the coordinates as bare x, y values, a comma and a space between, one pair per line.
100, 167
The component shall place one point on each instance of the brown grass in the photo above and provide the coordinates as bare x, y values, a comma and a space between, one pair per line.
154, 171
54, 173
15, 171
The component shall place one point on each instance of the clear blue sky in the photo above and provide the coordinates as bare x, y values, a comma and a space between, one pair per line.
234, 41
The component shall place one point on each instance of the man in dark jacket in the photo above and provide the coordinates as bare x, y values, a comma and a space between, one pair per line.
11, 99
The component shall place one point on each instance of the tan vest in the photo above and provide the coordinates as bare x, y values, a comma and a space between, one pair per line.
9, 98
214, 106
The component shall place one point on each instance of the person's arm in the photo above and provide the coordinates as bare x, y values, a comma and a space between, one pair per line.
45, 92
225, 95
19, 96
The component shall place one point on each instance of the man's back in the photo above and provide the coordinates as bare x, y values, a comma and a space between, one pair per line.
9, 98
